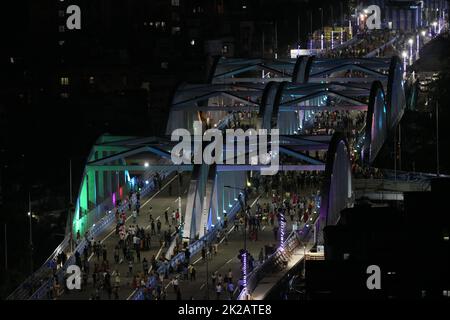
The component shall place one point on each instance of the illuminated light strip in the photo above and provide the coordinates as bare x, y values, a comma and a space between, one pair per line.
282, 230
244, 271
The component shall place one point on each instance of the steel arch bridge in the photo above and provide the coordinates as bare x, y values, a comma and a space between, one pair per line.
282, 94
277, 95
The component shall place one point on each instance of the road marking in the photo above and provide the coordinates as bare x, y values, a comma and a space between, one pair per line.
131, 294
229, 260
197, 260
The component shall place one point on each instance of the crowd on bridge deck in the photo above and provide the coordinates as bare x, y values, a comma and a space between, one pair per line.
367, 42
132, 239
365, 172
328, 122
298, 208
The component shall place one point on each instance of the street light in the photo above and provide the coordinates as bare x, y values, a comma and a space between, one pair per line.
405, 57
244, 255
410, 42
207, 270
304, 261
30, 216
435, 26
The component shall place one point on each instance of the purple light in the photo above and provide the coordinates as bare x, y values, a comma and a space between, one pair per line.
114, 199
244, 271
282, 231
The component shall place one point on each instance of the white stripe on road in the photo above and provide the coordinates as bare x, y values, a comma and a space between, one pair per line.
129, 297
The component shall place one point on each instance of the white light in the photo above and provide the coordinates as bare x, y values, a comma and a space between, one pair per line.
192, 42
146, 182
146, 164
29, 213
404, 54
224, 211
423, 33
230, 205
410, 41
218, 218
434, 24
235, 199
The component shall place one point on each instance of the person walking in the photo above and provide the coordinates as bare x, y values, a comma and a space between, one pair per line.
152, 228
166, 217
175, 284
130, 268
158, 226
218, 290
230, 276
193, 273
230, 289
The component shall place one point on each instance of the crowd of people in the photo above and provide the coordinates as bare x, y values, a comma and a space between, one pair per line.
366, 43
95, 261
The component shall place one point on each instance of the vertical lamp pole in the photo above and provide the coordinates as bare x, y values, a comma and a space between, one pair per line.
179, 196
244, 256
437, 138
30, 215
6, 250
304, 261
207, 272
71, 205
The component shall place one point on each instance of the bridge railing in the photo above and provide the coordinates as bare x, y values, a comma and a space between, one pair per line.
279, 259
374, 52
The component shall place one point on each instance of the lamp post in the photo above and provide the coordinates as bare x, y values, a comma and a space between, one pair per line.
244, 256
30, 216
410, 42
207, 270
405, 57
304, 261
321, 19
437, 138
6, 249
